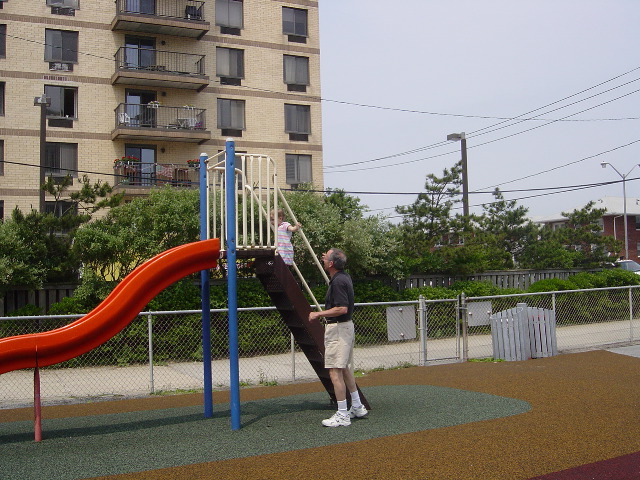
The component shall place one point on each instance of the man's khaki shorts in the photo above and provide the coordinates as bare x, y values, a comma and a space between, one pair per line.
338, 345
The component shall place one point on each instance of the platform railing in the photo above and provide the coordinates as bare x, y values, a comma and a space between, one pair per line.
257, 195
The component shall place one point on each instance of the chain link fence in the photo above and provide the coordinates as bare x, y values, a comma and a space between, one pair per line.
161, 351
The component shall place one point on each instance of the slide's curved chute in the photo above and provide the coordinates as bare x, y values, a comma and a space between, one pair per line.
115, 312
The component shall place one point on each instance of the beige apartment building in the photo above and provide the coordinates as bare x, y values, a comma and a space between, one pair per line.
85, 83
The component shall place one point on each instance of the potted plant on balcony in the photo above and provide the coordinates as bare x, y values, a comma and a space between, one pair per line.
125, 160
154, 104
194, 163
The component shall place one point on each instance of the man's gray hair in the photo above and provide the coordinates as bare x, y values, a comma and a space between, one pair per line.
339, 258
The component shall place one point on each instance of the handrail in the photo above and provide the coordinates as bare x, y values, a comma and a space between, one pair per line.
256, 186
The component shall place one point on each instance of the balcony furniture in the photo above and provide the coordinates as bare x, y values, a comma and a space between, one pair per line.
124, 118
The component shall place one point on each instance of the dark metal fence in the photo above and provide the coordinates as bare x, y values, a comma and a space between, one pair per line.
151, 60
154, 115
185, 9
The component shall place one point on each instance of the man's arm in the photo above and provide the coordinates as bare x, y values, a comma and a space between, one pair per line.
332, 312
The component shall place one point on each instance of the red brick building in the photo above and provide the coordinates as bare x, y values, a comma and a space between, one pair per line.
612, 222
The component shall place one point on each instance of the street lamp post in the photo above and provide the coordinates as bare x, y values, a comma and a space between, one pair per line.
454, 137
43, 102
624, 196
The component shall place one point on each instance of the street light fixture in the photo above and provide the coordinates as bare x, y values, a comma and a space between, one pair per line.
624, 195
43, 102
454, 137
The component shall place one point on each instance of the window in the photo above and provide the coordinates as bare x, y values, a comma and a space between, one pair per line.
298, 169
63, 101
294, 23
61, 46
139, 52
637, 222
3, 41
297, 120
229, 16
229, 65
145, 170
2, 98
231, 115
61, 208
296, 71
75, 4
61, 159
1, 158
1, 204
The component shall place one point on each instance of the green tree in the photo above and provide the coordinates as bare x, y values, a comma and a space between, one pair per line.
583, 235
428, 220
580, 244
136, 231
38, 244
504, 228
349, 207
337, 220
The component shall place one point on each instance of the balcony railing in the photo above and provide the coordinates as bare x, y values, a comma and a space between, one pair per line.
153, 115
182, 9
168, 17
149, 60
146, 175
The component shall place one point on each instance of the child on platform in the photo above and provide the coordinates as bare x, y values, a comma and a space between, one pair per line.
284, 233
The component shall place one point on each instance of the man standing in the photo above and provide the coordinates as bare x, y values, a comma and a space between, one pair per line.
339, 338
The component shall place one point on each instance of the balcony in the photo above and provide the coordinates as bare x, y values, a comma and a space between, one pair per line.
157, 68
181, 18
152, 121
138, 177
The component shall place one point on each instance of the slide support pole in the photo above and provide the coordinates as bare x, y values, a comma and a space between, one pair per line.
37, 404
234, 366
205, 295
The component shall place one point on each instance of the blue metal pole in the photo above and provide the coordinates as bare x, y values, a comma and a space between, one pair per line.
205, 295
234, 365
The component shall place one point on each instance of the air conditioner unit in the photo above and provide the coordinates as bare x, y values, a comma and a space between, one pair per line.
73, 4
60, 67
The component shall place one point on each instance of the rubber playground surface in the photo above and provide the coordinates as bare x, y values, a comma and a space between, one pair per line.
573, 416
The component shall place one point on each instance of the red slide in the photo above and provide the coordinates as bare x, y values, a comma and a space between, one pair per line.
115, 312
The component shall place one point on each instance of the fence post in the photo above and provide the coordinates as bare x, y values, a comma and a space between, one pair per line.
293, 357
462, 309
422, 327
630, 315
461, 324
150, 335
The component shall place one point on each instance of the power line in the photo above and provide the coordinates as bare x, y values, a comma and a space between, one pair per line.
566, 164
576, 188
477, 132
484, 143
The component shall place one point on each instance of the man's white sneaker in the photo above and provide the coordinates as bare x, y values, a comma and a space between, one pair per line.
358, 412
337, 420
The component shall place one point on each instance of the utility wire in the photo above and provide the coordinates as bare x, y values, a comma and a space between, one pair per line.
485, 130
484, 143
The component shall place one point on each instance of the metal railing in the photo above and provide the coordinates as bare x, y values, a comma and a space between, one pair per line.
183, 9
151, 60
154, 115
257, 194
162, 351
140, 174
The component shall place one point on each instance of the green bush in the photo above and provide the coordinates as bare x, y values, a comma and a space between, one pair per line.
552, 285
617, 277
367, 291
26, 311
67, 306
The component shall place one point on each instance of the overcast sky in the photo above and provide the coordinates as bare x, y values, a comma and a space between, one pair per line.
427, 68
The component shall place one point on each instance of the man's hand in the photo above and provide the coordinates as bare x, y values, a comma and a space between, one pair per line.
313, 316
